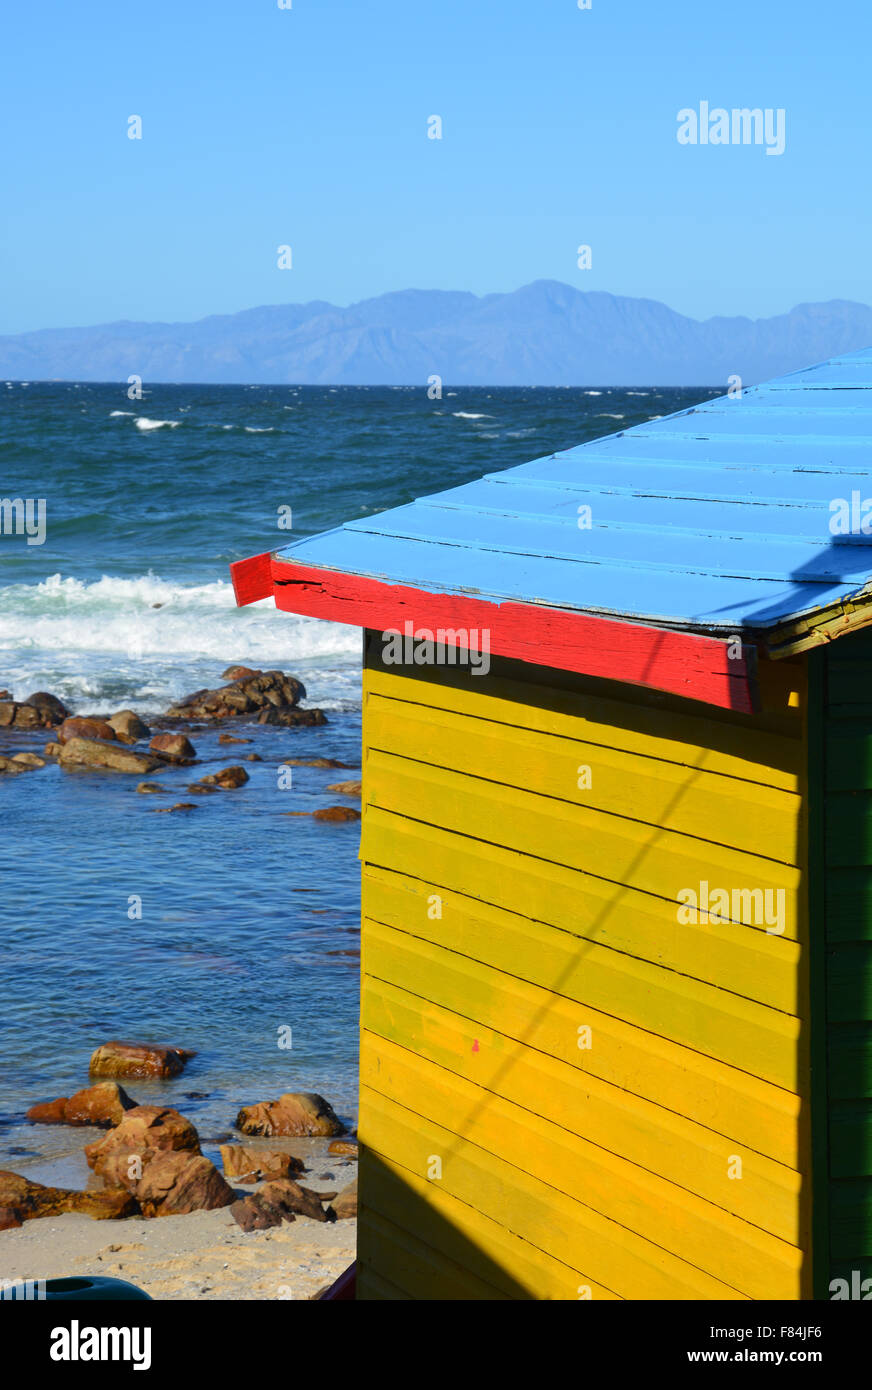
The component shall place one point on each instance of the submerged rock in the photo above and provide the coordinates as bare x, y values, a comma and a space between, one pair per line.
10, 768
20, 716
151, 789
336, 813
228, 738
111, 757
175, 748
293, 718
28, 759
51, 709
228, 778
139, 1059
168, 810
296, 1112
128, 726
313, 762
104, 1104
346, 788
81, 726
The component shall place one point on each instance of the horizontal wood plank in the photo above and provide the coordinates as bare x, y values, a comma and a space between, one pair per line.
655, 1139
614, 848
745, 960
608, 714
466, 1236
755, 1040
737, 814
744, 1256
560, 1226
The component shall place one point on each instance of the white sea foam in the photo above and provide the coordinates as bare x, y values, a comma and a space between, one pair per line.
113, 413
142, 422
593, 393
469, 415
606, 416
149, 640
259, 429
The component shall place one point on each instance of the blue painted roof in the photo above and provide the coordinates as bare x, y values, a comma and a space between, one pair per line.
715, 518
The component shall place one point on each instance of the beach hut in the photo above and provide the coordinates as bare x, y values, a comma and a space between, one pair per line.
616, 1003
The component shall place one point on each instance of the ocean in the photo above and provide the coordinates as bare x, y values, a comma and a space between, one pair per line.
249, 918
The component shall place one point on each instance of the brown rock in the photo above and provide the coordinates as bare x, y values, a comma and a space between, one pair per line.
20, 716
285, 1195
8, 1219
313, 762
228, 738
27, 1200
336, 813
128, 726
144, 1128
235, 673
150, 788
168, 810
113, 757
244, 696
227, 778
346, 1148
301, 1112
175, 748
104, 1104
279, 1201
253, 1215
53, 750
78, 726
293, 718
346, 788
48, 1112
345, 1205
28, 759
175, 1184
50, 708
9, 767
198, 789
245, 1163
139, 1059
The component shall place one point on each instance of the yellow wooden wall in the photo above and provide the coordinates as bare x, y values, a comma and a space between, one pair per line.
505, 909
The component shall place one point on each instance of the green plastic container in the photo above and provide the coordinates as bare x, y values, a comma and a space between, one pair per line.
77, 1290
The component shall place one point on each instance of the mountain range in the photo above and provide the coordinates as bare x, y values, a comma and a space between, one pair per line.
544, 334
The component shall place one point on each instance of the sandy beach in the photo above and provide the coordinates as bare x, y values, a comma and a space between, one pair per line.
203, 1255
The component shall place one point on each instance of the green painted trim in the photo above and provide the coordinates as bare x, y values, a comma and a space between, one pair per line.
816, 748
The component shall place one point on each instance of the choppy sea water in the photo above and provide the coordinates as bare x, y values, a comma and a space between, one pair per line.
249, 918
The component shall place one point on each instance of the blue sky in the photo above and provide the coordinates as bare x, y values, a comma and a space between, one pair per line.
308, 127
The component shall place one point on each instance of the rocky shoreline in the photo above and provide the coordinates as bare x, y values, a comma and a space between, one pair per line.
148, 1162
113, 742
150, 1187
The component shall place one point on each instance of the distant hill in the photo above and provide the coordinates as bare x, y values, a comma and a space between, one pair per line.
545, 334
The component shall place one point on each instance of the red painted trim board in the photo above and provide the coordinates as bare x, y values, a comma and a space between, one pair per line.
680, 663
